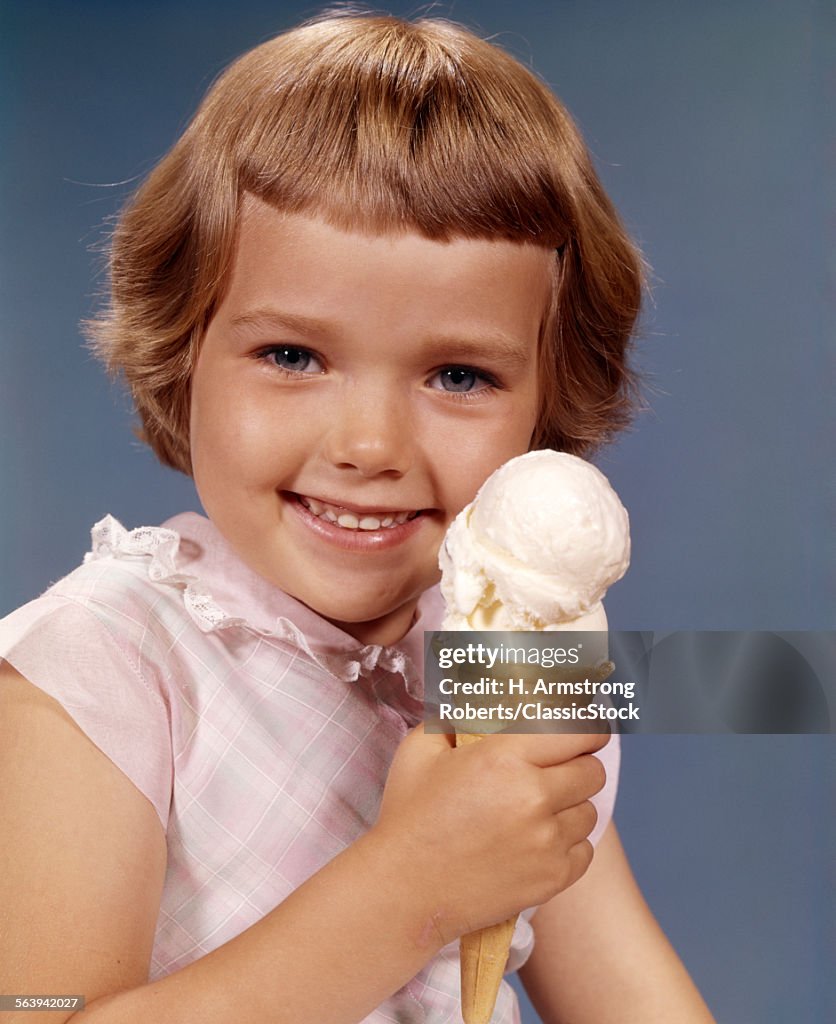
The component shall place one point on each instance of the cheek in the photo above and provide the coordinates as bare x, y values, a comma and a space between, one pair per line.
227, 437
230, 427
212, 431
481, 452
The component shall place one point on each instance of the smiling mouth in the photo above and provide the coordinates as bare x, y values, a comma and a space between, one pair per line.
349, 519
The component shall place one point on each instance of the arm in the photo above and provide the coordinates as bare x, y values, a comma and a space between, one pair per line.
82, 863
600, 957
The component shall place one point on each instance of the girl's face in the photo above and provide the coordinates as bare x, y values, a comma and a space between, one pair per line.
351, 394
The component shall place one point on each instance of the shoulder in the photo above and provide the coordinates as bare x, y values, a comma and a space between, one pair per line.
110, 625
106, 610
129, 584
98, 642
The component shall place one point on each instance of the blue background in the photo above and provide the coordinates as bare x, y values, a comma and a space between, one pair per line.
710, 124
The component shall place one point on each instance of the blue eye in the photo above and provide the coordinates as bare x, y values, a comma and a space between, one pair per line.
462, 379
293, 359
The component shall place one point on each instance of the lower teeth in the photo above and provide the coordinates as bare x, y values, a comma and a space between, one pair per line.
348, 521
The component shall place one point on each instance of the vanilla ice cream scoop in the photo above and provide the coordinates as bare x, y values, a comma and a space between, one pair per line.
537, 548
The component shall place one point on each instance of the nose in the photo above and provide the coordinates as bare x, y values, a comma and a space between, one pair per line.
370, 432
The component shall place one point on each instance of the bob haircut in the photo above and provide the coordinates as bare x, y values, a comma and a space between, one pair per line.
385, 125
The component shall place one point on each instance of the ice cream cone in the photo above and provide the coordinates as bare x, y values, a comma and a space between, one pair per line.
536, 550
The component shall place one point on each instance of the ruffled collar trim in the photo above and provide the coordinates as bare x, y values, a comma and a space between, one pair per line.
219, 592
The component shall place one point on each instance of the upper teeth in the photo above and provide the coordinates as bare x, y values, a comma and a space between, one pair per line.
350, 521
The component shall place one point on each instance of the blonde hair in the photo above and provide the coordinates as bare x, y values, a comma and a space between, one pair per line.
393, 125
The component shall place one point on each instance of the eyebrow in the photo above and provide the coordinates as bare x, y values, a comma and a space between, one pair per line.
494, 347
274, 318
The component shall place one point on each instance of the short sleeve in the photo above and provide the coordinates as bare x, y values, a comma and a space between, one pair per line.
65, 650
604, 802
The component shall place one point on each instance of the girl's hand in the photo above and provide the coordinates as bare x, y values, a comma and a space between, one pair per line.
490, 828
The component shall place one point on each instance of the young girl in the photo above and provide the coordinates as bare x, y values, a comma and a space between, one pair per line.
377, 265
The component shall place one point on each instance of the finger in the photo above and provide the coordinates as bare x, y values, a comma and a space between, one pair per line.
573, 782
544, 749
579, 857
573, 826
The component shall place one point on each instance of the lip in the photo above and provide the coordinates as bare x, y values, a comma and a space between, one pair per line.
358, 510
356, 540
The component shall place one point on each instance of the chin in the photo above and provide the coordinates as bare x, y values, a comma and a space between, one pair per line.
355, 615
372, 623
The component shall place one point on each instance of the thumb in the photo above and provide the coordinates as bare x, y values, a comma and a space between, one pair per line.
415, 758
421, 745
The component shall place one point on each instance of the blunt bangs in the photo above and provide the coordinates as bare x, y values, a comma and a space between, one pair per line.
397, 126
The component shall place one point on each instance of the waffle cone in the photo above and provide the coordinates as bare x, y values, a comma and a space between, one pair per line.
484, 953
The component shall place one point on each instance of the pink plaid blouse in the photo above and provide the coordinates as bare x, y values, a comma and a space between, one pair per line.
261, 733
